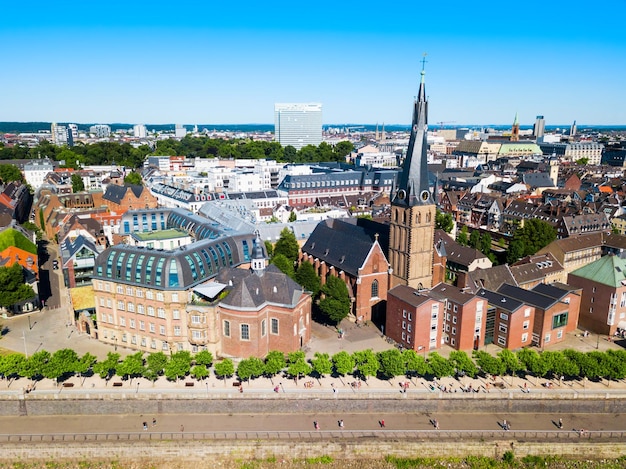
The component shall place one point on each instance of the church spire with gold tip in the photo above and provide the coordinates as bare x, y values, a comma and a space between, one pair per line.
413, 186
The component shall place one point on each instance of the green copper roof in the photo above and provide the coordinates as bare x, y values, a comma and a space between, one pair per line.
172, 233
608, 270
516, 122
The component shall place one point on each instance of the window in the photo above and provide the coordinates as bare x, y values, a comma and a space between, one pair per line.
404, 313
175, 297
142, 326
454, 331
375, 289
152, 327
109, 302
226, 328
524, 337
454, 320
502, 341
143, 341
410, 318
132, 324
503, 328
408, 328
526, 324
177, 330
149, 295
130, 307
274, 325
404, 336
456, 308
120, 305
162, 330
195, 319
403, 324
122, 321
120, 289
175, 314
559, 320
527, 313
102, 302
408, 339
129, 291
151, 311
559, 334
133, 339
153, 344
139, 293
504, 316
161, 313
245, 332
159, 296
263, 328
547, 338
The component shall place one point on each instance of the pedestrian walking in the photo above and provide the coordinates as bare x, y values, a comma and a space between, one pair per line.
182, 428
316, 425
560, 423
154, 422
145, 426
382, 423
436, 424
340, 423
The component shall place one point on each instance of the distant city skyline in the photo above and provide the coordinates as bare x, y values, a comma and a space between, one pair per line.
158, 62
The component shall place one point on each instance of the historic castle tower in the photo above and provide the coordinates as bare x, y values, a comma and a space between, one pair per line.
411, 237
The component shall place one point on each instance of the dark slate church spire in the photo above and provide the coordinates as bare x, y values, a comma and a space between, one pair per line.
258, 256
413, 184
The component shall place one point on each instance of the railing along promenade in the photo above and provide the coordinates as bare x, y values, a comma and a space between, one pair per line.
320, 435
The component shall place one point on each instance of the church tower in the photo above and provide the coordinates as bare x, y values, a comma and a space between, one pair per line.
515, 130
412, 227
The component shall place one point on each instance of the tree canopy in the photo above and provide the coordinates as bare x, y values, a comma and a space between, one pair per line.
530, 238
14, 290
10, 173
444, 221
77, 183
336, 302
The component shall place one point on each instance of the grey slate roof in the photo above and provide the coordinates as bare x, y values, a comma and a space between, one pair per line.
490, 279
410, 295
115, 193
252, 291
340, 244
501, 301
528, 297
538, 180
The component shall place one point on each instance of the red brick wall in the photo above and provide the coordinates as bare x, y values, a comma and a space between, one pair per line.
258, 346
419, 318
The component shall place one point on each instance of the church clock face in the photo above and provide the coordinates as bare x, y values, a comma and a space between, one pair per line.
402, 194
424, 195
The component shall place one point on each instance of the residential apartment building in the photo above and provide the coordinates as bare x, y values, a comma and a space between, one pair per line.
603, 304
414, 319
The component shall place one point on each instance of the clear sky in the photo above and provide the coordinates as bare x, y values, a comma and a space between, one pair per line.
223, 62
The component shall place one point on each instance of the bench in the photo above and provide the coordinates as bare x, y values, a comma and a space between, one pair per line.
117, 384
499, 385
68, 385
236, 384
189, 384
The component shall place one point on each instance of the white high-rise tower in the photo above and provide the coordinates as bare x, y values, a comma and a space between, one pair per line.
298, 124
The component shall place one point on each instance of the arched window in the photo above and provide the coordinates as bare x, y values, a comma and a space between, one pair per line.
375, 289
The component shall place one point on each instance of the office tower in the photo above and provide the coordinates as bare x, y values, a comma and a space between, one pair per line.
573, 130
100, 130
298, 124
412, 227
139, 131
58, 134
540, 128
180, 131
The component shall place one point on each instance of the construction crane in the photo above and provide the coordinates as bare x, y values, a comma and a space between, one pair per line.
442, 123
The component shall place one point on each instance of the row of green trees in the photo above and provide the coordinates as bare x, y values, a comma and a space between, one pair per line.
203, 147
569, 364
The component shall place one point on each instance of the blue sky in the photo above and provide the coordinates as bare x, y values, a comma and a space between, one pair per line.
200, 62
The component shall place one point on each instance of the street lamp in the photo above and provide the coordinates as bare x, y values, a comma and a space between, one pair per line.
24, 337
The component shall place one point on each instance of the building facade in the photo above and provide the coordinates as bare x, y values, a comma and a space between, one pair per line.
298, 124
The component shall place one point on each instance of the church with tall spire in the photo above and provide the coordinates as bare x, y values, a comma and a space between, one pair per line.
412, 227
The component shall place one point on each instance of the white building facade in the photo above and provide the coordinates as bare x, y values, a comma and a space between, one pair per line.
298, 124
